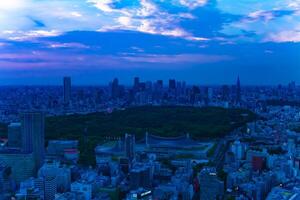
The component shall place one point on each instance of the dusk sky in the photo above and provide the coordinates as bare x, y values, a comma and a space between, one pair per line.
200, 41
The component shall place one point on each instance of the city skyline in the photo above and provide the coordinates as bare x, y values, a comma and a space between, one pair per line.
150, 99
209, 42
129, 82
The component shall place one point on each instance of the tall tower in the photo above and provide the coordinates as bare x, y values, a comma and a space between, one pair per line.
115, 89
136, 84
172, 84
238, 90
67, 90
33, 135
129, 146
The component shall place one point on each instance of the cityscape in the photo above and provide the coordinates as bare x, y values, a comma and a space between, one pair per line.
257, 159
149, 100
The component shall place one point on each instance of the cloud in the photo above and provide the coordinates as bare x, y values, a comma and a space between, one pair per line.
192, 4
67, 45
261, 15
177, 59
103, 5
147, 18
261, 21
252, 22
25, 17
3, 44
27, 35
12, 5
44, 59
284, 36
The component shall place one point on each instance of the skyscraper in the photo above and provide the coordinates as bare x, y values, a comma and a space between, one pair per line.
14, 134
129, 146
172, 84
211, 188
238, 90
115, 89
160, 84
33, 135
67, 90
136, 84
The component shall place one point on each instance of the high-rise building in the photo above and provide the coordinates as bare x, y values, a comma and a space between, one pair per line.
136, 84
14, 135
67, 90
140, 176
50, 187
238, 90
21, 164
225, 93
5, 179
33, 135
38, 188
172, 84
160, 84
115, 89
60, 172
211, 188
238, 149
129, 146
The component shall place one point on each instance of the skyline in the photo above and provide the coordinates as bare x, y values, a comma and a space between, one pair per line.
203, 42
130, 83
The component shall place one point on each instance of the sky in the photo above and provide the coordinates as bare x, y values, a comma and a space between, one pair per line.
200, 41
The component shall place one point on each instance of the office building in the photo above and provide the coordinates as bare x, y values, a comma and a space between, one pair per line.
172, 84
136, 84
238, 90
14, 135
33, 135
129, 146
67, 91
50, 187
5, 178
140, 176
22, 164
115, 89
238, 149
60, 172
31, 189
57, 148
211, 188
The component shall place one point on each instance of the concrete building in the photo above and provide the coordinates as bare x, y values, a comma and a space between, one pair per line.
211, 188
5, 179
33, 135
141, 176
63, 150
22, 164
129, 146
60, 172
50, 187
29, 189
67, 91
14, 135
238, 150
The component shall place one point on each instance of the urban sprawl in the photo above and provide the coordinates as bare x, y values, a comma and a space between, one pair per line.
260, 160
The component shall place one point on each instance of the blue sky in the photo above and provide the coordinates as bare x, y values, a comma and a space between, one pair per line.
201, 41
